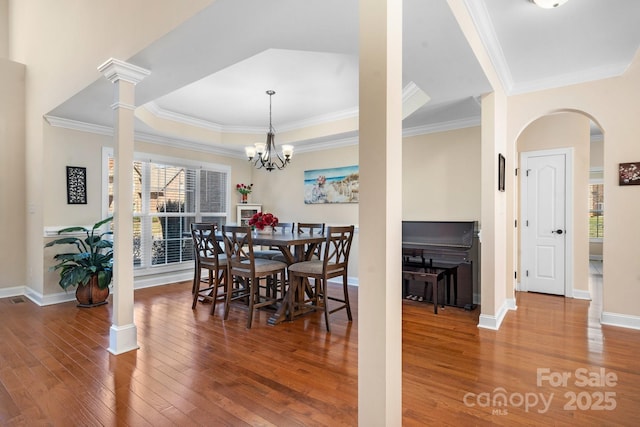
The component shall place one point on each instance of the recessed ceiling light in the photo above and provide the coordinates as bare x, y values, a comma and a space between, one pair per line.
548, 4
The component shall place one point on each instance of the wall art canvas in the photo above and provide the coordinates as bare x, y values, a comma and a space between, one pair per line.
629, 173
76, 185
334, 185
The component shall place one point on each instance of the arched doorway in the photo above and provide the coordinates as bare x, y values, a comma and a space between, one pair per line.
570, 131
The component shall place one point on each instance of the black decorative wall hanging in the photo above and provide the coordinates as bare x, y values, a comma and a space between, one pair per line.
76, 185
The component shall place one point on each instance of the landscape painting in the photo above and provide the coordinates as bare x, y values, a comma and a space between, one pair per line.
334, 185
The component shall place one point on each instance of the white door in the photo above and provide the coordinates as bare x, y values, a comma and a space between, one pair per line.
544, 227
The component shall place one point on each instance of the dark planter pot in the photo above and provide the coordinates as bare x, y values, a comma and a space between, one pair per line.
91, 295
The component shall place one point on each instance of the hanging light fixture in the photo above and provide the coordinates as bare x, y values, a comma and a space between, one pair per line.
265, 154
548, 4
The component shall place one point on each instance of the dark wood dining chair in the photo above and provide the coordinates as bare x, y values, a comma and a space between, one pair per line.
210, 256
273, 252
312, 228
248, 270
334, 262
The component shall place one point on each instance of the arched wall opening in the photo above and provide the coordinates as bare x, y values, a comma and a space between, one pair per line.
561, 129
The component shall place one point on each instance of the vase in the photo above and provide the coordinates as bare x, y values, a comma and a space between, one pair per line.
244, 198
266, 230
90, 295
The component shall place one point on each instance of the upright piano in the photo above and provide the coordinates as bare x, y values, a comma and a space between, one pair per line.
445, 244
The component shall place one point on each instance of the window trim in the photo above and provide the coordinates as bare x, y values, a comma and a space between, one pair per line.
172, 161
594, 181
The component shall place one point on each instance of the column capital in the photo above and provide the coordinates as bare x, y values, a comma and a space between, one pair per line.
115, 69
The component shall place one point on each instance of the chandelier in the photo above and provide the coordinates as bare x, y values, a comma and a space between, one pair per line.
265, 154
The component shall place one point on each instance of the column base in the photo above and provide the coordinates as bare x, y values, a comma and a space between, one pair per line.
123, 339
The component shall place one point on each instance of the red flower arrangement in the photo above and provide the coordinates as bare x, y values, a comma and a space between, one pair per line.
244, 189
261, 220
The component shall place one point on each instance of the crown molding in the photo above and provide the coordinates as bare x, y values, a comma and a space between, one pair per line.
480, 17
322, 119
482, 21
61, 122
145, 137
161, 113
408, 91
115, 69
570, 79
442, 127
239, 152
191, 145
319, 146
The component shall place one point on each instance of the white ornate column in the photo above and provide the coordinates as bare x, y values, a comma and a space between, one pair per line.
123, 333
380, 156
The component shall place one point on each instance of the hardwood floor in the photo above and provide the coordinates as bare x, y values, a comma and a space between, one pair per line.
195, 369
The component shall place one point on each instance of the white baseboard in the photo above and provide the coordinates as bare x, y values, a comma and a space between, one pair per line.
44, 300
511, 304
11, 292
139, 283
351, 281
162, 279
580, 294
487, 321
620, 320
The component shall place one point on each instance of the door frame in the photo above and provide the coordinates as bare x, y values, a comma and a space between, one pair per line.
568, 202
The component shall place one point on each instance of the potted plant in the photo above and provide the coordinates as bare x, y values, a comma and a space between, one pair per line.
244, 191
90, 267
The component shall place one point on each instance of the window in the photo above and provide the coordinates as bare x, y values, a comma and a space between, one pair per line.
596, 210
167, 198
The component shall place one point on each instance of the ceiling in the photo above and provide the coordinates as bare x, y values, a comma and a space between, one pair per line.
212, 72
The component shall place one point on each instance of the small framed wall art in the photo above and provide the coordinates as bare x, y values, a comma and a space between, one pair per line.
501, 171
76, 185
629, 173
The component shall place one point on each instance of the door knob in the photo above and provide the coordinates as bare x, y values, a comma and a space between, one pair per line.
558, 231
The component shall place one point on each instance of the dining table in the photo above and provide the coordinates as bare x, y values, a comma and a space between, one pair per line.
295, 247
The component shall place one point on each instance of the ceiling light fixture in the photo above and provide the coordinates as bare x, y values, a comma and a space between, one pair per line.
548, 4
266, 155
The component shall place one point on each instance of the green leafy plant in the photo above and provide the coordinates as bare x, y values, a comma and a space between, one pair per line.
94, 256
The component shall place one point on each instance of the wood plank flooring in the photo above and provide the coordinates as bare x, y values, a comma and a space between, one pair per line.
194, 369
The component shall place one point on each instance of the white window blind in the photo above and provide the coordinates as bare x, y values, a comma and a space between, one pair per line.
167, 198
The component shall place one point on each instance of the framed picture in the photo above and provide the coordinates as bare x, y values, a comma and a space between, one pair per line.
501, 166
334, 185
629, 173
76, 185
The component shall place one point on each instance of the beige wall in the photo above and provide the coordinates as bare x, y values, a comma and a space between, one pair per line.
613, 105
596, 159
62, 66
567, 130
75, 148
440, 176
4, 28
56, 72
12, 188
282, 193
428, 175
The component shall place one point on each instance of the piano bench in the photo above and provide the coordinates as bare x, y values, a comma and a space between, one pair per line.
427, 276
